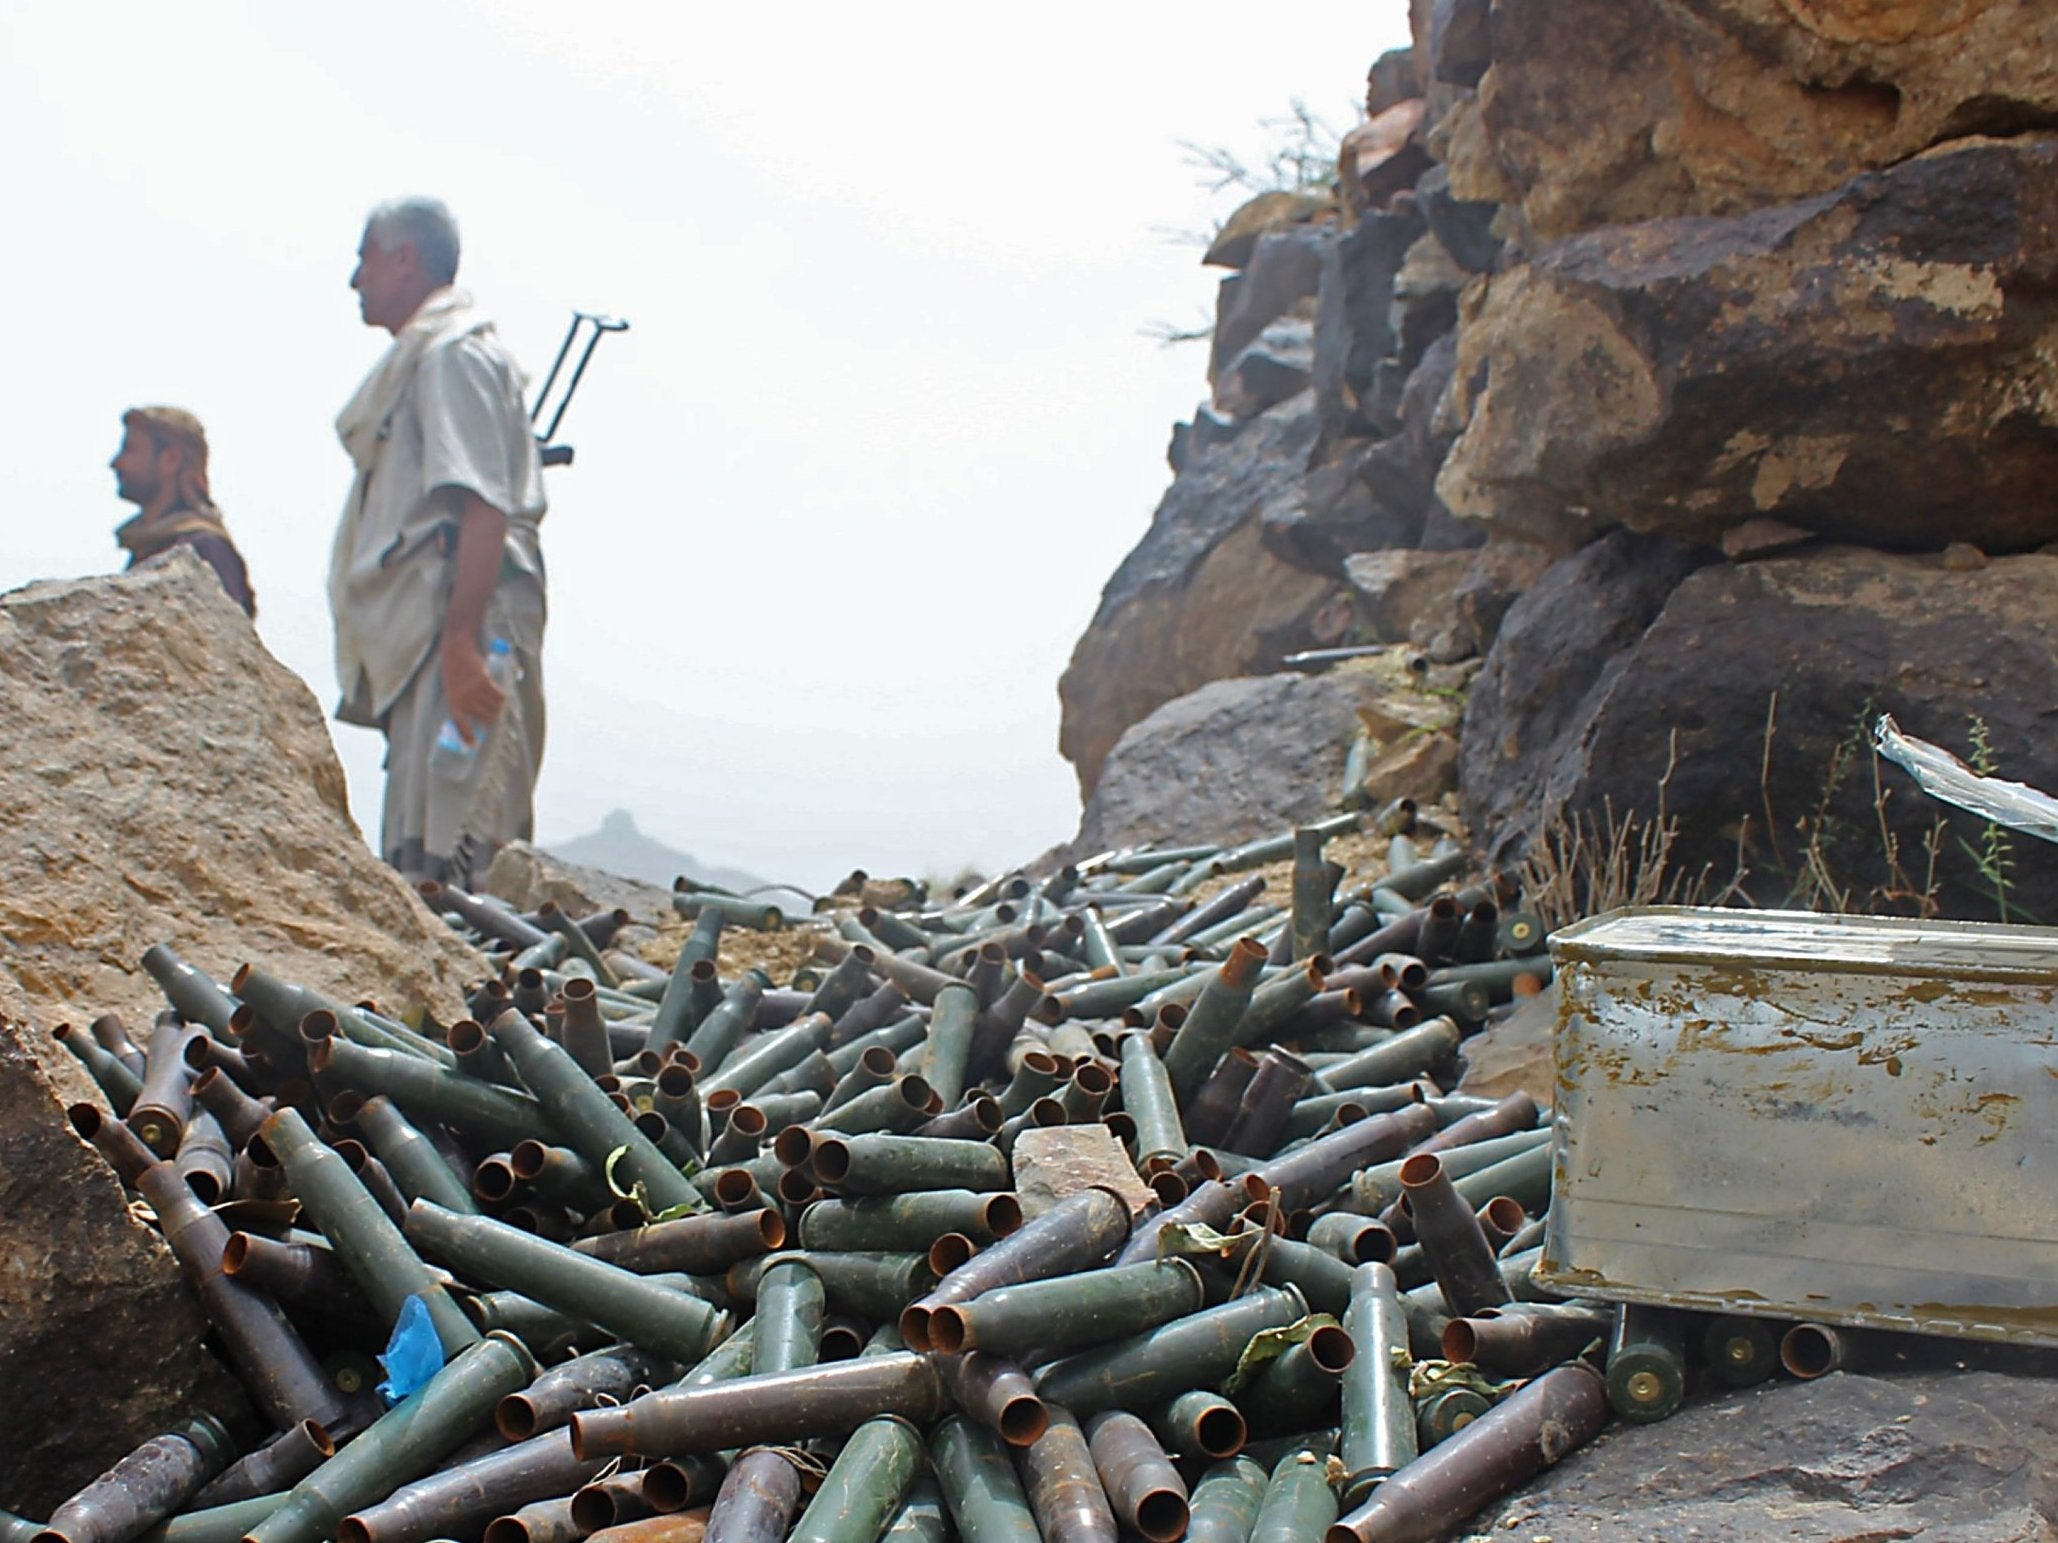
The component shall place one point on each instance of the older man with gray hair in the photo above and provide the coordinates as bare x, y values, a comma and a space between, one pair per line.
436, 577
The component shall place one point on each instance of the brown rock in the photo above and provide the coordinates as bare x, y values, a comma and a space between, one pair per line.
1055, 1162
1232, 761
167, 780
526, 876
100, 1341
1595, 112
1267, 212
1759, 536
1381, 156
1421, 765
1404, 595
1871, 365
1514, 1054
1199, 598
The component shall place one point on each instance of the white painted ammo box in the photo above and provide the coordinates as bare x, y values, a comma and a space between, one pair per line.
1844, 1119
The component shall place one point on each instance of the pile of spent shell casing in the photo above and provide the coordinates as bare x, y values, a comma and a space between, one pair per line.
704, 1254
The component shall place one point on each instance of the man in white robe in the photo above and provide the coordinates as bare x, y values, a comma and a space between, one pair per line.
436, 558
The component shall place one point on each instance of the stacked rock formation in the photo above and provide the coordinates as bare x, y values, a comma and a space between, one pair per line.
1691, 359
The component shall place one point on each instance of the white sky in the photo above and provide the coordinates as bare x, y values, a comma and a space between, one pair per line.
848, 490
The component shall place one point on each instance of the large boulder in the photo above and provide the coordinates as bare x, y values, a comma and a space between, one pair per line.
1595, 112
1943, 1455
1200, 598
1872, 364
168, 780
1239, 759
1755, 684
1559, 650
100, 1340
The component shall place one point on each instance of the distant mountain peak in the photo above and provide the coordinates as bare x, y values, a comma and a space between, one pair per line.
620, 847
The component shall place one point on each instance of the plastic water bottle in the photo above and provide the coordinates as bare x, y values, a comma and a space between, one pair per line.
451, 758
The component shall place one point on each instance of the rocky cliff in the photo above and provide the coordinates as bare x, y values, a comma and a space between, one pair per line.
1689, 366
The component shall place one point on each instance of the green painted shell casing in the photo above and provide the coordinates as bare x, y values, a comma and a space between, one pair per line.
864, 1486
1646, 1362
1740, 1352
1141, 1483
412, 1158
909, 1222
1298, 1389
1068, 1312
1211, 1025
1148, 1099
225, 1523
1460, 1257
698, 1245
1407, 1055
716, 1036
922, 1517
272, 1469
788, 1316
156, 1479
735, 910
894, 1108
1298, 1503
948, 1050
633, 1307
374, 1251
540, 1521
1516, 1112
879, 1164
979, 1484
267, 1352
1208, 1115
1321, 1277
1317, 1170
871, 1286
1505, 1342
998, 1394
1075, 1234
195, 995
1378, 1425
403, 1444
494, 1115
300, 1273
1498, 1453
884, 1006
459, 1501
827, 1400
1313, 893
165, 1099
116, 1081
1224, 1505
755, 1062
205, 1159
1036, 1076
584, 1035
1352, 1238
580, 1383
1267, 1102
587, 1118
1151, 1367
1062, 1486
1376, 1188
1201, 1424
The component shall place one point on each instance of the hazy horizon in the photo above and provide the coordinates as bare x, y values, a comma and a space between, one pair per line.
847, 491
